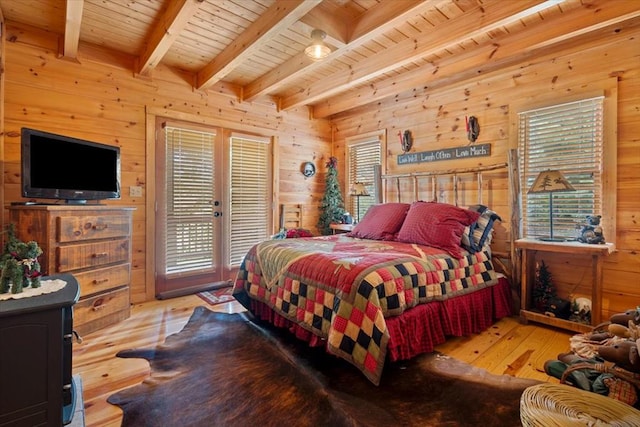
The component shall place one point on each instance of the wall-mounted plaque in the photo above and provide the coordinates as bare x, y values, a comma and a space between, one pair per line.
469, 151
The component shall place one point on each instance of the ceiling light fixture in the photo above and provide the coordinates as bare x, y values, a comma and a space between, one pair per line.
318, 49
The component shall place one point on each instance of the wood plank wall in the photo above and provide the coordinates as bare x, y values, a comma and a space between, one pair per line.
97, 98
2, 67
436, 118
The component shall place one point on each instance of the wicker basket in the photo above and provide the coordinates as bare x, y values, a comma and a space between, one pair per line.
548, 405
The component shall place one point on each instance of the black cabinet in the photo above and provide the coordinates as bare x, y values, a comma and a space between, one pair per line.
36, 357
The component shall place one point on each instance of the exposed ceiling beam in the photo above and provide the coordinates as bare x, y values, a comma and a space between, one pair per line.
280, 16
73, 20
374, 22
488, 16
332, 24
493, 55
384, 16
165, 33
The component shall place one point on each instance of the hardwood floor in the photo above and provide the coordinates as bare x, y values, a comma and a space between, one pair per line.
506, 348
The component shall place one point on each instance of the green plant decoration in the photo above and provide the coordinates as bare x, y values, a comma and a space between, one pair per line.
19, 264
332, 205
543, 291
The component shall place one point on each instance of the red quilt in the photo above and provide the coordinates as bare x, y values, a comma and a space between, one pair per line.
341, 289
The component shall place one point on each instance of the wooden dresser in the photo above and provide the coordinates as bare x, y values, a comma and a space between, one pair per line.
92, 242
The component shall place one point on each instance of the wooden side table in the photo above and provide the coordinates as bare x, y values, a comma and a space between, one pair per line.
341, 228
530, 247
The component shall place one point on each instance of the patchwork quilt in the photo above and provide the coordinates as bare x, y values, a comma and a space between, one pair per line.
342, 289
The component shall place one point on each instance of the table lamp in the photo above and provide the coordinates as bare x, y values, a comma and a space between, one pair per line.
358, 190
550, 181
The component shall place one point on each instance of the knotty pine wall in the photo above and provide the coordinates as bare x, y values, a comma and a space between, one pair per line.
436, 118
98, 98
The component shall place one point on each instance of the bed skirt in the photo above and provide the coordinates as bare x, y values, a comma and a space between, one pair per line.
425, 326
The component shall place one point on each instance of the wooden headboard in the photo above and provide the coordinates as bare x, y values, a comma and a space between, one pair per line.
290, 216
496, 186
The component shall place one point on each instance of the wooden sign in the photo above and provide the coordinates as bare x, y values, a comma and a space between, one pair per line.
481, 150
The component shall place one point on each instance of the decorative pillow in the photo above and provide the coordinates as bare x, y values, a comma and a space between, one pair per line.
478, 235
381, 222
436, 224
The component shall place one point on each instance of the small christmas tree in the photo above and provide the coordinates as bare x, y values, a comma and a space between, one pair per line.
19, 265
543, 291
332, 205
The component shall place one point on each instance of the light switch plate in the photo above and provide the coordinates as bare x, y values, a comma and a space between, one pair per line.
135, 191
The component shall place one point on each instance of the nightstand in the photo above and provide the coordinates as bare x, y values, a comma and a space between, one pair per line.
530, 247
341, 228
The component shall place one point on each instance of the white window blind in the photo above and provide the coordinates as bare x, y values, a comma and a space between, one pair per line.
569, 138
250, 195
190, 191
363, 156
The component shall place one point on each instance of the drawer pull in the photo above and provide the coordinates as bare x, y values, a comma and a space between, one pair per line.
100, 255
100, 227
99, 305
99, 281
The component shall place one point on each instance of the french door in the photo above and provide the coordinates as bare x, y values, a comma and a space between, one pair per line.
213, 203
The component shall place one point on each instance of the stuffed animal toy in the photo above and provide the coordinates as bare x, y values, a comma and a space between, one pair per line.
609, 333
623, 354
591, 232
605, 361
632, 314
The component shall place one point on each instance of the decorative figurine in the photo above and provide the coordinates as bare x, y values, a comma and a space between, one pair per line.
591, 232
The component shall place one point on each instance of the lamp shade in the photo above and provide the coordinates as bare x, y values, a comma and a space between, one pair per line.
359, 189
550, 181
317, 49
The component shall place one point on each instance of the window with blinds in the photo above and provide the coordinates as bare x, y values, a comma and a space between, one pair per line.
250, 195
362, 155
569, 138
190, 190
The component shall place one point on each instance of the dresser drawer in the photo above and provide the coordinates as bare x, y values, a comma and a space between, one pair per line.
78, 228
103, 279
95, 312
74, 257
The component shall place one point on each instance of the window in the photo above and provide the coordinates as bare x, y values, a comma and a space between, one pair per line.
568, 137
363, 153
250, 207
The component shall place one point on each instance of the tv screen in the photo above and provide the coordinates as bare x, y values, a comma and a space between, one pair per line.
70, 169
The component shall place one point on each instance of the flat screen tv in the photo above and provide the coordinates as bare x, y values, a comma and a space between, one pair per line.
70, 169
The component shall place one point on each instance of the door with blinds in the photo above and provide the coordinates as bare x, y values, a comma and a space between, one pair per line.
249, 194
213, 203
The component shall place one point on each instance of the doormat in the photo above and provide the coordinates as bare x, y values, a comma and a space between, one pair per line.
217, 296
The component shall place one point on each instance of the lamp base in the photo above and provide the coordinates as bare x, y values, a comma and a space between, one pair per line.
552, 239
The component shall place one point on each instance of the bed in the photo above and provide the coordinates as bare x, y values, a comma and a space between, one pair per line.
408, 276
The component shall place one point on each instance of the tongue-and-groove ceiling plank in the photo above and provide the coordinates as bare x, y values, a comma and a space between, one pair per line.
255, 48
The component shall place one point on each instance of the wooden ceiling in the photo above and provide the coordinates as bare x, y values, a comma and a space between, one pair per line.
380, 47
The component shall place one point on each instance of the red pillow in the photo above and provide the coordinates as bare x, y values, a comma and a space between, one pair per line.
436, 224
381, 222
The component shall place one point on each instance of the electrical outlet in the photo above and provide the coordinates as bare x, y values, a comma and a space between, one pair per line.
135, 191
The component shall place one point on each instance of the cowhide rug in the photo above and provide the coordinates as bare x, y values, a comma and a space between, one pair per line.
225, 370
